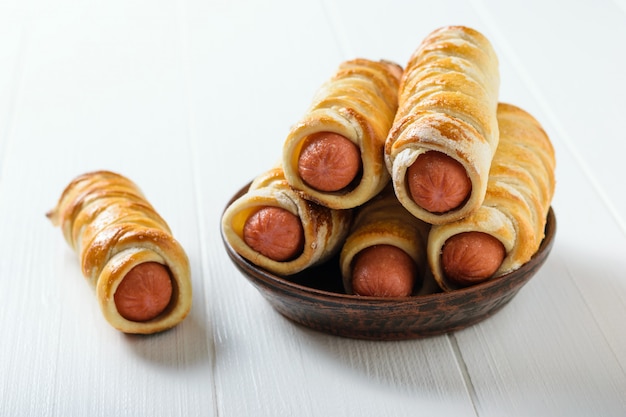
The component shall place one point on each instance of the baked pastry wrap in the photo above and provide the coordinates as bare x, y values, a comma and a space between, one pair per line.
384, 221
519, 193
324, 228
107, 221
447, 103
359, 102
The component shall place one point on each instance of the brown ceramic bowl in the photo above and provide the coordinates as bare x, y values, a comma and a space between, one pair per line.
315, 298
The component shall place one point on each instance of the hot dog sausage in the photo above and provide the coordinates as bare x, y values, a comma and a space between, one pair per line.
275, 233
328, 161
144, 292
383, 271
437, 182
471, 257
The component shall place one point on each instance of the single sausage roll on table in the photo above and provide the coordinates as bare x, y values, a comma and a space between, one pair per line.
385, 253
273, 227
508, 228
334, 155
445, 132
140, 272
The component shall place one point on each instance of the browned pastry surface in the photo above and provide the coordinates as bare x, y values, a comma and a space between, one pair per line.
108, 222
447, 103
358, 102
519, 193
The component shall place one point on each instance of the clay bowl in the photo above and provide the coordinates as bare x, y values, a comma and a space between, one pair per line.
315, 298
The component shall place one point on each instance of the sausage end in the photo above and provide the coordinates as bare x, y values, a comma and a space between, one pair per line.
275, 233
383, 271
471, 257
144, 293
437, 182
329, 162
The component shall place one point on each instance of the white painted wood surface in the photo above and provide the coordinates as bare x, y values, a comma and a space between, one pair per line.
191, 99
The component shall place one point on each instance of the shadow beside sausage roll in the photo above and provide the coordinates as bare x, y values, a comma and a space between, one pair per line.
509, 226
140, 272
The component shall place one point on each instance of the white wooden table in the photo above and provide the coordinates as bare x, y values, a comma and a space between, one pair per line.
191, 99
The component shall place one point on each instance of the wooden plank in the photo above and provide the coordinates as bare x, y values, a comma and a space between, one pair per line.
102, 89
572, 68
559, 347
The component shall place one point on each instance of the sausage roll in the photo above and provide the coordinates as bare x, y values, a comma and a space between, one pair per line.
519, 193
447, 105
357, 104
384, 221
107, 221
322, 229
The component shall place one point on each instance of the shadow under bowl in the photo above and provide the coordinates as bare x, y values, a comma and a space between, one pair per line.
315, 298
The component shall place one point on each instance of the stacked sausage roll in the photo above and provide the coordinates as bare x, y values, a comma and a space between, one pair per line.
140, 272
385, 253
445, 131
334, 155
272, 226
508, 228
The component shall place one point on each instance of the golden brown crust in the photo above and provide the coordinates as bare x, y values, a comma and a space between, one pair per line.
519, 193
324, 228
358, 102
447, 103
383, 221
106, 219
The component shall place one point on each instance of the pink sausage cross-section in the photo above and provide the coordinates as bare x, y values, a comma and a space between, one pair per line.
275, 233
437, 182
383, 271
144, 293
329, 162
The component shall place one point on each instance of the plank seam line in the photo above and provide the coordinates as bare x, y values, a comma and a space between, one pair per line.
192, 138
572, 278
467, 379
560, 130
333, 19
